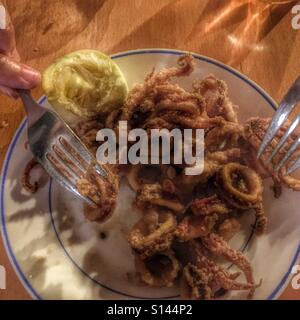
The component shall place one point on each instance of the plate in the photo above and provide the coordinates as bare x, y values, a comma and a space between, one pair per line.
59, 255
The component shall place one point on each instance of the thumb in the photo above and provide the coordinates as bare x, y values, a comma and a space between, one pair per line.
16, 75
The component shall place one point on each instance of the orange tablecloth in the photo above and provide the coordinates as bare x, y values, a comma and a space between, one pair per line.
254, 36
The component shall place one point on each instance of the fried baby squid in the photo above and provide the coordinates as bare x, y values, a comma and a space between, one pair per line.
26, 177
225, 135
154, 195
142, 98
152, 233
103, 191
255, 129
187, 219
209, 205
137, 175
159, 270
215, 93
228, 228
202, 277
242, 184
241, 187
219, 247
195, 283
193, 227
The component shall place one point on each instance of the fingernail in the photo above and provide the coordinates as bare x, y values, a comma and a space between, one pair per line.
30, 75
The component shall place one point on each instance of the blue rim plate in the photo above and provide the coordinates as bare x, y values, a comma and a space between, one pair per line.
5, 236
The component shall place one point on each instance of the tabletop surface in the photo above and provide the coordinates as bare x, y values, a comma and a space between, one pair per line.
256, 37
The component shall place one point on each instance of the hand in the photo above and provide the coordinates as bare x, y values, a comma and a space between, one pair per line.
13, 74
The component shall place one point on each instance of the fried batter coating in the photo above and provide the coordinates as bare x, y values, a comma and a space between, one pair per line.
209, 205
213, 162
152, 194
103, 191
87, 132
193, 227
26, 177
226, 134
228, 228
218, 246
159, 270
153, 233
203, 277
146, 91
255, 129
186, 122
138, 175
187, 219
215, 93
241, 183
261, 219
241, 187
225, 156
189, 106
195, 283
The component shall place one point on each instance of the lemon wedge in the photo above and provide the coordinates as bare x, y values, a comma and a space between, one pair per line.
85, 83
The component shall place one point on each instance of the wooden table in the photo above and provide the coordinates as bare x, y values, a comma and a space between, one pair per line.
254, 36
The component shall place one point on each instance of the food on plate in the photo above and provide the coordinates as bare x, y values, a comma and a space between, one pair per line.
158, 270
153, 233
227, 188
255, 129
85, 82
103, 191
187, 220
28, 185
202, 277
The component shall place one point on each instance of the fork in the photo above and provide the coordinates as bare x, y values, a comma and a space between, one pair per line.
287, 105
56, 147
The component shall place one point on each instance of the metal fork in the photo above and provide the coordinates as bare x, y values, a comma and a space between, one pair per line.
287, 105
56, 147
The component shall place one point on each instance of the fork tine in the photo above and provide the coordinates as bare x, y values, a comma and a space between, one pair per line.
289, 153
83, 157
84, 162
63, 176
284, 138
280, 116
294, 167
67, 161
60, 167
45, 126
87, 155
286, 107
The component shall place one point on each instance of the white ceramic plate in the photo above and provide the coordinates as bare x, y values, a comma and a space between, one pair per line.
58, 255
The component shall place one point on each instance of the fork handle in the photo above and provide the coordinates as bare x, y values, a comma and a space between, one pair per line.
293, 95
27, 100
33, 109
